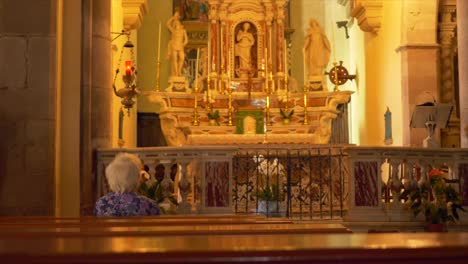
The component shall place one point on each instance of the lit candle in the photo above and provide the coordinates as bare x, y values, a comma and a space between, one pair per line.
159, 42
196, 68
128, 68
209, 50
285, 59
304, 65
222, 47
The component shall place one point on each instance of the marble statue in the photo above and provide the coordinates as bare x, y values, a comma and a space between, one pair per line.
245, 41
317, 49
176, 52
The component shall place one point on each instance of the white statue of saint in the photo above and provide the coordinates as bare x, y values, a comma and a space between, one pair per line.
317, 49
176, 46
245, 41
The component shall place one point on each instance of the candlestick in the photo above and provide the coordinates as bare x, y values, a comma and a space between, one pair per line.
195, 91
229, 101
304, 65
285, 58
306, 114
208, 94
196, 67
158, 63
266, 63
209, 50
159, 42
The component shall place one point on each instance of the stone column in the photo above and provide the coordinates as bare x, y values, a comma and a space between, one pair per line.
419, 63
67, 136
450, 136
86, 157
462, 34
101, 91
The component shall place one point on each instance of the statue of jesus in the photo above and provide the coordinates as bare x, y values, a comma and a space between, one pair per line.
177, 44
245, 41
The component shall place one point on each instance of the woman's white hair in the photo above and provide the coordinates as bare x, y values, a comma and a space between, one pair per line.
123, 173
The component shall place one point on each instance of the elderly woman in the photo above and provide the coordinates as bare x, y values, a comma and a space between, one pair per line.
123, 176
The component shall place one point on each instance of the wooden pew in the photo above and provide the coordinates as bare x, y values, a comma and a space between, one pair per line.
91, 230
19, 222
415, 248
159, 226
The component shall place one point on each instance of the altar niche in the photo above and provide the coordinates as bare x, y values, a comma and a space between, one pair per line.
245, 50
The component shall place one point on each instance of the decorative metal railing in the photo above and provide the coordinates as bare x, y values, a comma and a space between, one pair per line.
310, 182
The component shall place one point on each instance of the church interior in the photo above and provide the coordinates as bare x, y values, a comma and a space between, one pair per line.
280, 130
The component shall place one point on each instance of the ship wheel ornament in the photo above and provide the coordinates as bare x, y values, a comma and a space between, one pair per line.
339, 75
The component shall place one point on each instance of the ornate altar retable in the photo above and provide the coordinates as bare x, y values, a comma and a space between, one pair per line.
244, 85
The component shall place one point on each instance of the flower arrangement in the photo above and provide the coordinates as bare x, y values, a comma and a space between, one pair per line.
156, 192
270, 193
268, 189
436, 199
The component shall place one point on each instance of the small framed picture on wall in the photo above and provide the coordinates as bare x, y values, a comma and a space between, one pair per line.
192, 10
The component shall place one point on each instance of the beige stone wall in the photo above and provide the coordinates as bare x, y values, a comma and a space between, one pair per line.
382, 79
129, 119
147, 51
419, 52
27, 112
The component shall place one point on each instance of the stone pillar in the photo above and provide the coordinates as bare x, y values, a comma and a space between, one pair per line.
68, 81
96, 93
419, 63
86, 157
450, 136
462, 34
27, 111
101, 91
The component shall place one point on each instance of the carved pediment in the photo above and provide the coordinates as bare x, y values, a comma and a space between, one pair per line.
368, 13
133, 12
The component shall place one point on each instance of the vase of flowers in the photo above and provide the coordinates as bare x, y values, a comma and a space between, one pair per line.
268, 200
436, 199
155, 191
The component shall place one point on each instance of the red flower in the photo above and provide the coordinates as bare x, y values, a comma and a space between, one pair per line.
435, 172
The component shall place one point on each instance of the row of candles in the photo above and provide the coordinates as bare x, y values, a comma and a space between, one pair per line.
268, 80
